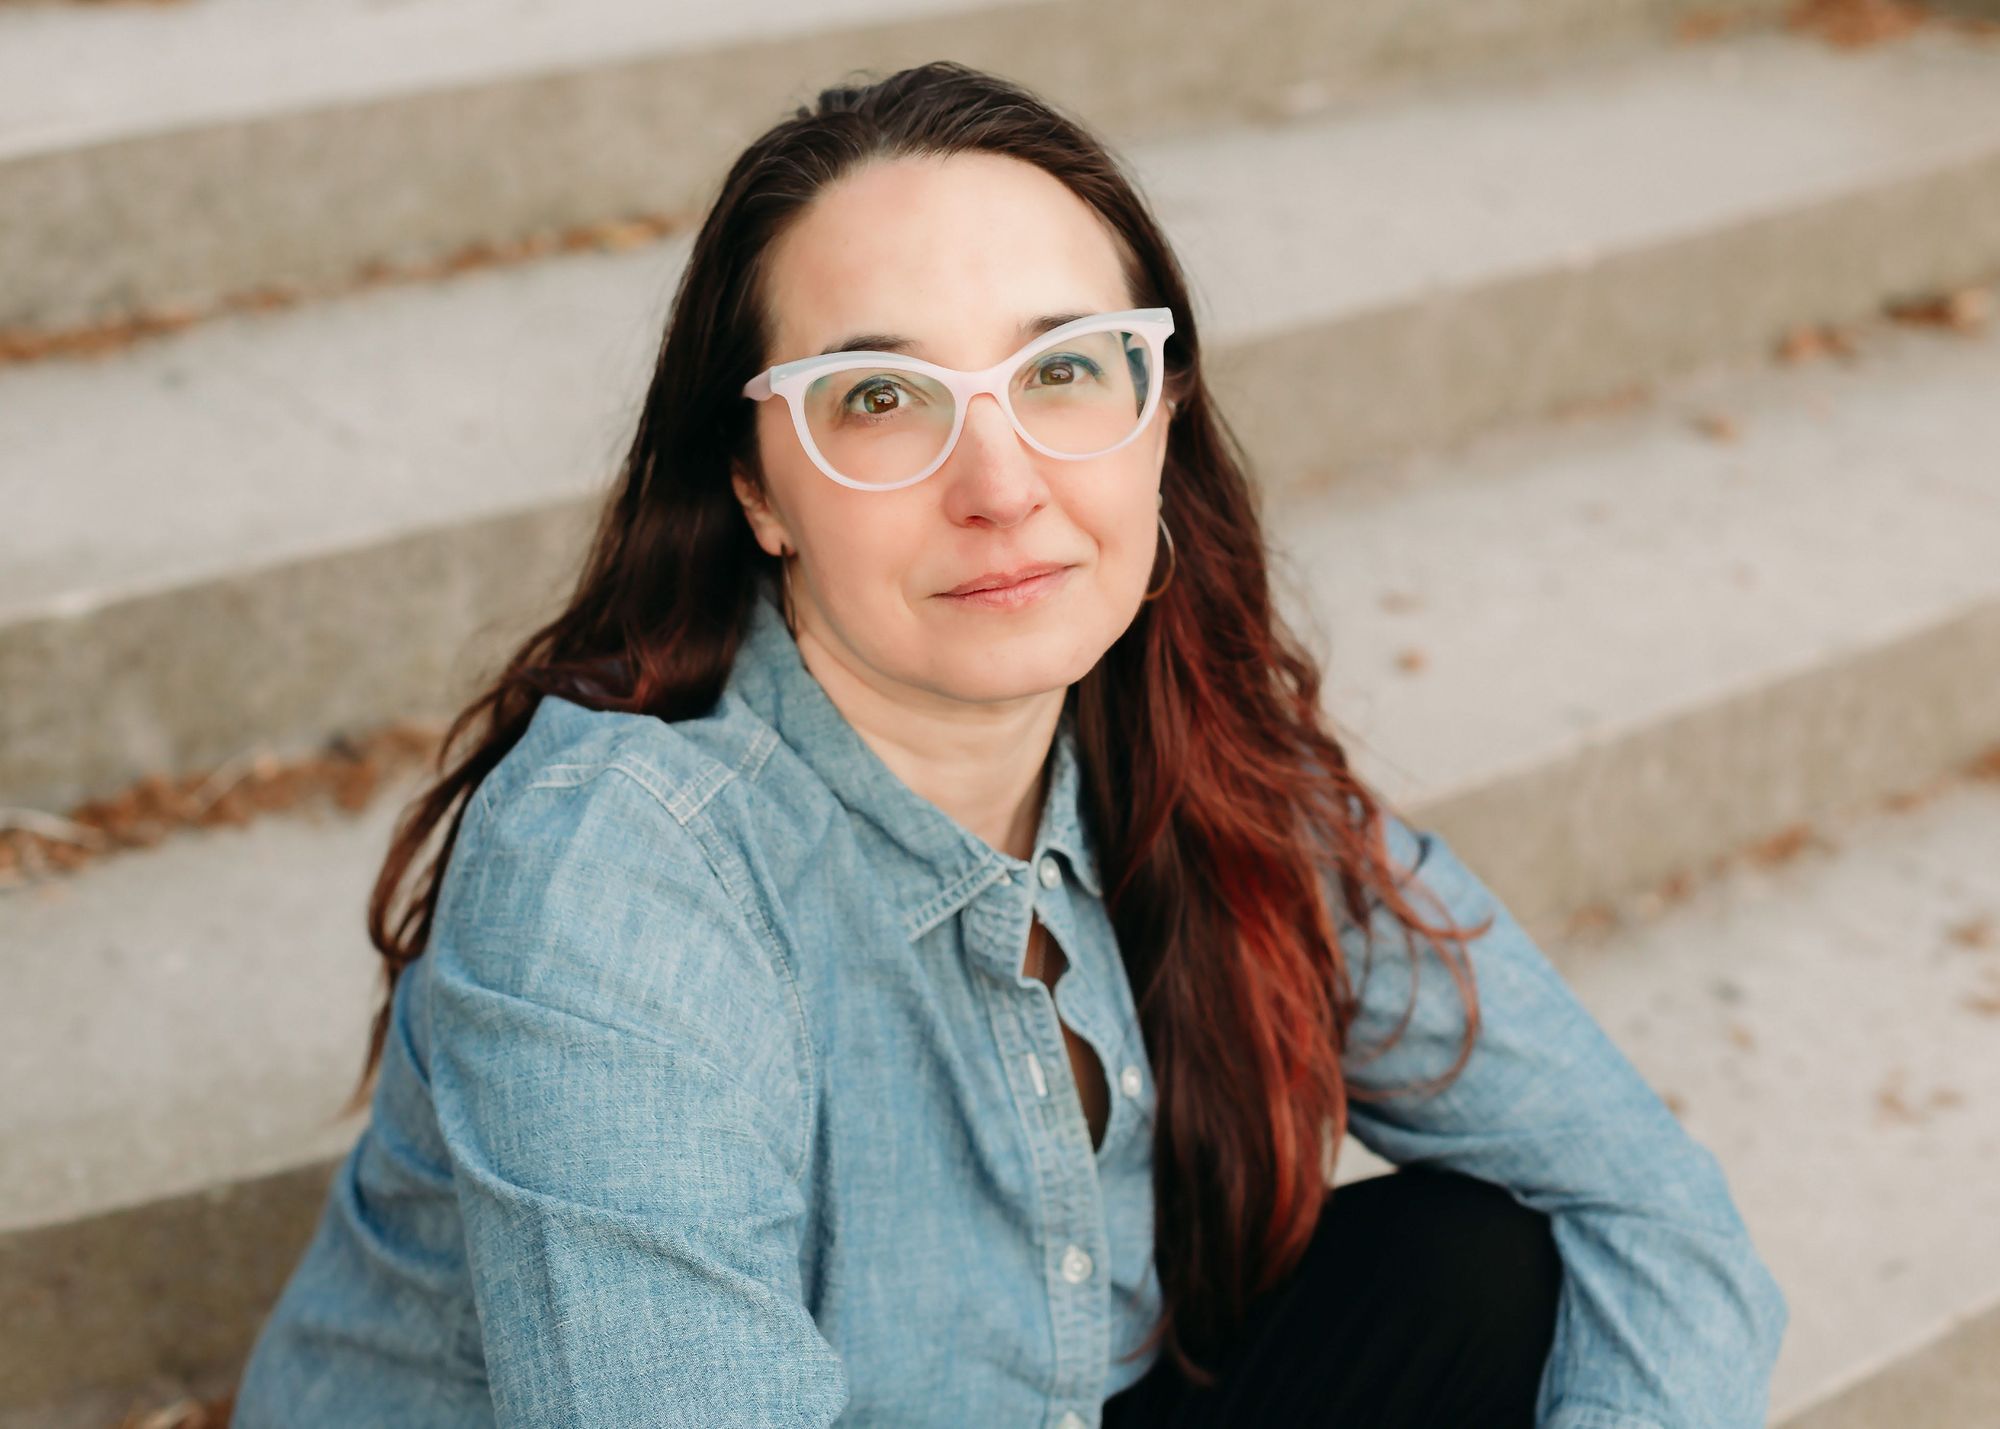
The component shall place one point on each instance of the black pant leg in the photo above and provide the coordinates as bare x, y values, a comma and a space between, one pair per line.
1425, 1298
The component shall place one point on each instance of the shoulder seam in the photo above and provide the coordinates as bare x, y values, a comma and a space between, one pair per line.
683, 800
685, 804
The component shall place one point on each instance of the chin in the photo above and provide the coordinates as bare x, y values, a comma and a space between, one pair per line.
988, 681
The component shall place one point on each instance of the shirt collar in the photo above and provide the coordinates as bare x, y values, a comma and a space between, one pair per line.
771, 678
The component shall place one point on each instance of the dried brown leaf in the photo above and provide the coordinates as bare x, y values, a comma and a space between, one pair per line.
1695, 26
1966, 310
1852, 24
1976, 932
1782, 847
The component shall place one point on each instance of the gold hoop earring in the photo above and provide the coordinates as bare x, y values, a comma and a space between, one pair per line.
1171, 563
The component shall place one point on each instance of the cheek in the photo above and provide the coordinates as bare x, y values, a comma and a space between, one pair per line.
1126, 532
873, 555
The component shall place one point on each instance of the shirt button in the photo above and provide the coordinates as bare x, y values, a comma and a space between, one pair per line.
1072, 1420
1051, 874
1075, 1265
1130, 1082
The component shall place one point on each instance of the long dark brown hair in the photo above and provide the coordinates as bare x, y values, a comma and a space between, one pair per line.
1222, 829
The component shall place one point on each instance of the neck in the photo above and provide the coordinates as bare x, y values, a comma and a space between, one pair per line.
985, 765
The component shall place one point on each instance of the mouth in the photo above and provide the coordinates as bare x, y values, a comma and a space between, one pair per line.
1017, 594
1005, 580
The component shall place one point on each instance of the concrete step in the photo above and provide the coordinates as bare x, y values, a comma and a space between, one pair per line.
1664, 643
341, 514
227, 130
1831, 1028
1951, 1377
182, 1028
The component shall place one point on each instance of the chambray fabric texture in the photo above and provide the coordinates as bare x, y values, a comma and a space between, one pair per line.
719, 1097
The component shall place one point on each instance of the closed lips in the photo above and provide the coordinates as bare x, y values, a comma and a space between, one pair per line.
993, 580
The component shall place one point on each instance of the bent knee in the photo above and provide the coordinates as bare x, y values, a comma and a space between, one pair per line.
1486, 1260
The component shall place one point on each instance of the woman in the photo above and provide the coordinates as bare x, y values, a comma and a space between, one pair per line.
844, 995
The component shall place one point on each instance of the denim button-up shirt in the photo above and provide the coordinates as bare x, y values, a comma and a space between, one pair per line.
719, 1096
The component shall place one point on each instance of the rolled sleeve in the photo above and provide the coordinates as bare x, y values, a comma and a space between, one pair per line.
616, 1077
1667, 1317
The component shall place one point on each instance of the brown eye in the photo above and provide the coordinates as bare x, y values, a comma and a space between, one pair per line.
878, 399
1067, 370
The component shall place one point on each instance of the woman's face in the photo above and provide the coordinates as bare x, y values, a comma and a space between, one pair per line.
956, 253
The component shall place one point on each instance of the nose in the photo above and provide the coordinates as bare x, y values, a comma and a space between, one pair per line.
992, 472
987, 435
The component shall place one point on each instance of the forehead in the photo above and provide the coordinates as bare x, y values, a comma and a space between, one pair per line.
953, 252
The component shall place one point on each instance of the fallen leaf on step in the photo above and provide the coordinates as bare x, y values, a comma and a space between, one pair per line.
1800, 344
270, 298
1889, 1103
1782, 847
1698, 25
1977, 932
1805, 342
1851, 24
347, 772
1967, 310
1594, 918
1892, 1105
624, 236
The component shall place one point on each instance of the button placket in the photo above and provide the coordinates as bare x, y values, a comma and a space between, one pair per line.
1065, 1159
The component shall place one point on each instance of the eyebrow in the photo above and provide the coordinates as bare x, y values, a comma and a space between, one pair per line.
890, 342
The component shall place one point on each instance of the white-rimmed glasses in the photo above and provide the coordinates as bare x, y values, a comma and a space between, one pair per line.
880, 421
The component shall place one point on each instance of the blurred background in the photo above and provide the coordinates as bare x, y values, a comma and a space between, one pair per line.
1623, 386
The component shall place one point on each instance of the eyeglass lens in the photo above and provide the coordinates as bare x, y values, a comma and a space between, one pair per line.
1077, 396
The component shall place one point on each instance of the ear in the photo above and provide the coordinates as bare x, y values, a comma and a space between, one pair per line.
765, 524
